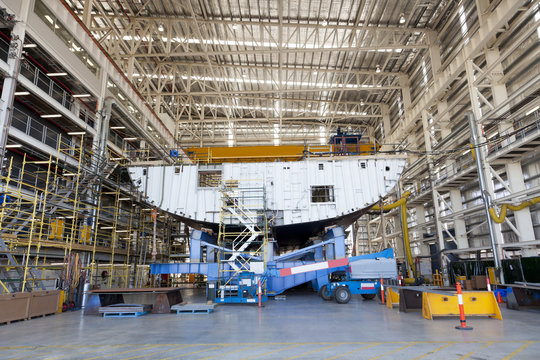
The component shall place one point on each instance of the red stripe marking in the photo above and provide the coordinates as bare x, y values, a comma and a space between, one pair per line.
285, 272
338, 262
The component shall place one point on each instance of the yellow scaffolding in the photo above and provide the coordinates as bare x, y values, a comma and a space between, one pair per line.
69, 203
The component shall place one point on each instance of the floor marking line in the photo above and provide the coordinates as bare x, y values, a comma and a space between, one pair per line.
312, 351
159, 352
526, 345
122, 352
434, 351
231, 352
472, 352
273, 351
195, 352
393, 351
353, 351
86, 352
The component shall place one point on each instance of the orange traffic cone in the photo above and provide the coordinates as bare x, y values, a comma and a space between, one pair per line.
499, 299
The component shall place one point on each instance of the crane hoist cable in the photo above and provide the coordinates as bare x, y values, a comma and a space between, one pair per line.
505, 207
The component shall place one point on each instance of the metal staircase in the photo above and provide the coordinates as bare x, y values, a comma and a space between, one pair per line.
242, 239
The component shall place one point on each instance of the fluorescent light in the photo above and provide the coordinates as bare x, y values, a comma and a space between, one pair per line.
124, 199
121, 96
76, 133
531, 111
12, 146
49, 19
81, 95
130, 139
69, 174
106, 228
121, 231
57, 74
117, 127
21, 93
28, 46
48, 116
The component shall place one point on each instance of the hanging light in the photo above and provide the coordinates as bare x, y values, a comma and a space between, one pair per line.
161, 28
402, 18
324, 23
378, 69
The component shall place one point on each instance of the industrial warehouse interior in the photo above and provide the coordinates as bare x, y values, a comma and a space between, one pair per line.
279, 179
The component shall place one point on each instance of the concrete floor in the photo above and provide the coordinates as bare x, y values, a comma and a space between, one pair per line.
303, 326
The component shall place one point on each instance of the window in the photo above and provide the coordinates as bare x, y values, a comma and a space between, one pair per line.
209, 178
177, 169
322, 194
362, 165
321, 166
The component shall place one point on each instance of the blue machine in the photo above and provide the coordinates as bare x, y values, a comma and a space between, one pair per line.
244, 288
246, 291
361, 277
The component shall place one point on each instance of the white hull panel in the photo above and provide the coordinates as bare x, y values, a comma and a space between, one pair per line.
357, 183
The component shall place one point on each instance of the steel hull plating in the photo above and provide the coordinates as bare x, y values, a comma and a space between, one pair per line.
301, 198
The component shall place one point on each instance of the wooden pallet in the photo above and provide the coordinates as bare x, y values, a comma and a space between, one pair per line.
124, 314
193, 309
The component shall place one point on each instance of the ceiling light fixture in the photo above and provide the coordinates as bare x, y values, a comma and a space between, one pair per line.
117, 127
161, 28
21, 93
324, 23
57, 74
76, 133
49, 116
28, 46
378, 70
130, 139
235, 27
12, 146
81, 95
402, 18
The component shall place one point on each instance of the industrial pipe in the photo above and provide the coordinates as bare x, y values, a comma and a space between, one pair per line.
504, 208
405, 228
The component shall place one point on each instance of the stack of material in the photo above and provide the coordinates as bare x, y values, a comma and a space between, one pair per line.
124, 310
479, 282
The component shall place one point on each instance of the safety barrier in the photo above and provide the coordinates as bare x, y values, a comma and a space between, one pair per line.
392, 297
475, 303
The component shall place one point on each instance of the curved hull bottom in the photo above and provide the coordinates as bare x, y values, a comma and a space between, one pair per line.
291, 235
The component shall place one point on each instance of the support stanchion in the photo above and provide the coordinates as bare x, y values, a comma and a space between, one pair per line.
463, 323
259, 291
382, 291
